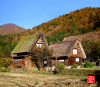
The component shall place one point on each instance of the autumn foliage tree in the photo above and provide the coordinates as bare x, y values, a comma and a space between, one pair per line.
39, 55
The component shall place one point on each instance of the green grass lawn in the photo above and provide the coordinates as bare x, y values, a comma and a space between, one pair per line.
94, 68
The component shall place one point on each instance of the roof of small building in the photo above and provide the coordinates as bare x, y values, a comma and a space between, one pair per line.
65, 48
26, 44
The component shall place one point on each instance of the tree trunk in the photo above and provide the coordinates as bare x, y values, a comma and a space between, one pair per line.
56, 61
39, 64
47, 62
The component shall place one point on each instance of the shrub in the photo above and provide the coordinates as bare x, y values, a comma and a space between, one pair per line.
4, 69
4, 62
88, 65
19, 66
10, 60
75, 66
59, 68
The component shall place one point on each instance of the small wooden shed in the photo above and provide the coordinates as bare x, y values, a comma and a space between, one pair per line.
67, 52
21, 53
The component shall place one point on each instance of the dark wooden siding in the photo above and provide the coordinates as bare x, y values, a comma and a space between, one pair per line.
72, 61
67, 62
80, 61
52, 61
72, 58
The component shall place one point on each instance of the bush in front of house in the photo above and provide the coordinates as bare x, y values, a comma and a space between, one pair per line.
19, 66
59, 68
75, 66
4, 69
88, 65
5, 62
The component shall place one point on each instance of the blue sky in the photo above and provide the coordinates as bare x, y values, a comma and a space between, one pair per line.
30, 13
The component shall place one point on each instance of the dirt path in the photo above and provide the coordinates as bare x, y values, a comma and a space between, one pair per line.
24, 80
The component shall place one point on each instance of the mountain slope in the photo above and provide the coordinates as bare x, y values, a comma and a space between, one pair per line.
77, 22
10, 29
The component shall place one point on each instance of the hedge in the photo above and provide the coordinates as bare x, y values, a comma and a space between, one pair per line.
28, 70
81, 72
76, 72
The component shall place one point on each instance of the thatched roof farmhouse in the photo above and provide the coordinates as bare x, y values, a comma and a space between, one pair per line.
25, 45
68, 52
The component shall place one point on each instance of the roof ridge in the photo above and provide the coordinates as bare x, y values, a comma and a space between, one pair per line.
63, 41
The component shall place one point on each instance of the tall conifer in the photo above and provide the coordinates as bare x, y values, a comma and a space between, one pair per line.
0, 52
7, 52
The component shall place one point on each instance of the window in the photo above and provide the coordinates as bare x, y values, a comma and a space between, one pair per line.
74, 51
61, 60
77, 59
15, 61
39, 45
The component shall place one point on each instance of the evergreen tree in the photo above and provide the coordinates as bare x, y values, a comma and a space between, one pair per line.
7, 52
0, 52
92, 49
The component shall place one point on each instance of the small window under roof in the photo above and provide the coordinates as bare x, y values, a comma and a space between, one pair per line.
39, 45
74, 51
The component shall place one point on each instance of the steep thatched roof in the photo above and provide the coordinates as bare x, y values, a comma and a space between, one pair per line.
62, 48
65, 48
26, 44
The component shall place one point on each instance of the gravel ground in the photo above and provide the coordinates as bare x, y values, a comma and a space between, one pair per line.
37, 80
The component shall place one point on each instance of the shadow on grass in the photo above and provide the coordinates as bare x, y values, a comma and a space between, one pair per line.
97, 77
84, 80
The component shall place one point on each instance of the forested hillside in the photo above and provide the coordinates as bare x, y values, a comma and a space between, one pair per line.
75, 23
